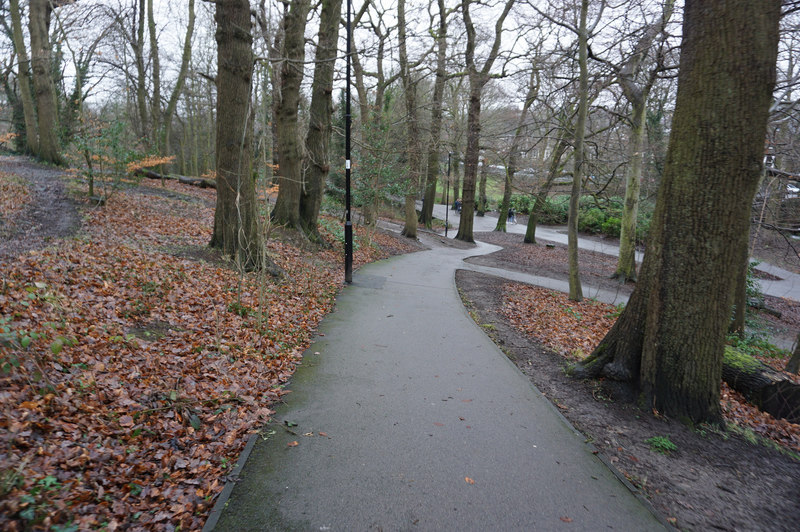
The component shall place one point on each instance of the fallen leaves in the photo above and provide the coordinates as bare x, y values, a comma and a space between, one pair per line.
166, 360
469, 480
573, 330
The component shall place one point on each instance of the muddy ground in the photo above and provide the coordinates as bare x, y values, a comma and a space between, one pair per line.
713, 481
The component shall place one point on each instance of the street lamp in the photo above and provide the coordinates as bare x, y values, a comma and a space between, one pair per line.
348, 224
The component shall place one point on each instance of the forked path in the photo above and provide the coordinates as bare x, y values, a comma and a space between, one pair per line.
408, 417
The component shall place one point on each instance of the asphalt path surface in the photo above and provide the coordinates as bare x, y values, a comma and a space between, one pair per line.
406, 416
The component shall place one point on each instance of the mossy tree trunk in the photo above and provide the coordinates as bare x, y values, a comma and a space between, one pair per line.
413, 148
290, 150
477, 81
318, 138
426, 216
575, 290
24, 77
669, 340
236, 226
43, 84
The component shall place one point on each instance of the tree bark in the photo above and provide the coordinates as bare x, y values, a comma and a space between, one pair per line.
236, 225
477, 81
43, 84
669, 340
172, 104
24, 77
318, 138
290, 150
541, 196
575, 290
413, 151
426, 216
155, 60
637, 95
511, 164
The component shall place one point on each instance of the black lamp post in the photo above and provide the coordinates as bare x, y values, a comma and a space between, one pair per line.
348, 224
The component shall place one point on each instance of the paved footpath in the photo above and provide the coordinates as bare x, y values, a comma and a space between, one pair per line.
427, 426
787, 285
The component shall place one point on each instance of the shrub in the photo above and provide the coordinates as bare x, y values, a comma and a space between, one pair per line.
612, 226
592, 220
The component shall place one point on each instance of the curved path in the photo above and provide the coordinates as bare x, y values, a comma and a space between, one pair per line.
788, 285
408, 417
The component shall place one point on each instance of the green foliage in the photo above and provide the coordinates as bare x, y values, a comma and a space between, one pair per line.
661, 444
754, 345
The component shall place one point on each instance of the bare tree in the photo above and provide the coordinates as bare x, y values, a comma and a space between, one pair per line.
478, 78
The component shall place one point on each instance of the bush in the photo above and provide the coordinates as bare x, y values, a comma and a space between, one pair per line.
592, 220
612, 226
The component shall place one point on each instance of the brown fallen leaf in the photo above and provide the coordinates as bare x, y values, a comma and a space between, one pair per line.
469, 480
566, 519
438, 424
293, 444
323, 434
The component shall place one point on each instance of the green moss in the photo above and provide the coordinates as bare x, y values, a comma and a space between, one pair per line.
739, 360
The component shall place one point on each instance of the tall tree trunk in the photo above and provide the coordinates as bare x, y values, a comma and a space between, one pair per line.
290, 150
319, 129
24, 77
172, 104
413, 152
575, 290
670, 338
626, 264
511, 165
141, 81
466, 221
637, 94
477, 81
426, 216
541, 196
236, 226
43, 84
155, 109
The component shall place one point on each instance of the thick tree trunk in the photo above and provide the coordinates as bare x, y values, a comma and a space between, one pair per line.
290, 151
141, 90
318, 138
575, 290
426, 216
24, 77
670, 338
155, 61
44, 86
413, 151
466, 221
236, 225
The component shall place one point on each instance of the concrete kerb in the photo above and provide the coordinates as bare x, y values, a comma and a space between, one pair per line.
230, 482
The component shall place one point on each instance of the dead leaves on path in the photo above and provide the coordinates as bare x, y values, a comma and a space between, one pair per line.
133, 374
573, 330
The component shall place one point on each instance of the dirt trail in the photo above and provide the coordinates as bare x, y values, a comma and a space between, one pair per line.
51, 214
